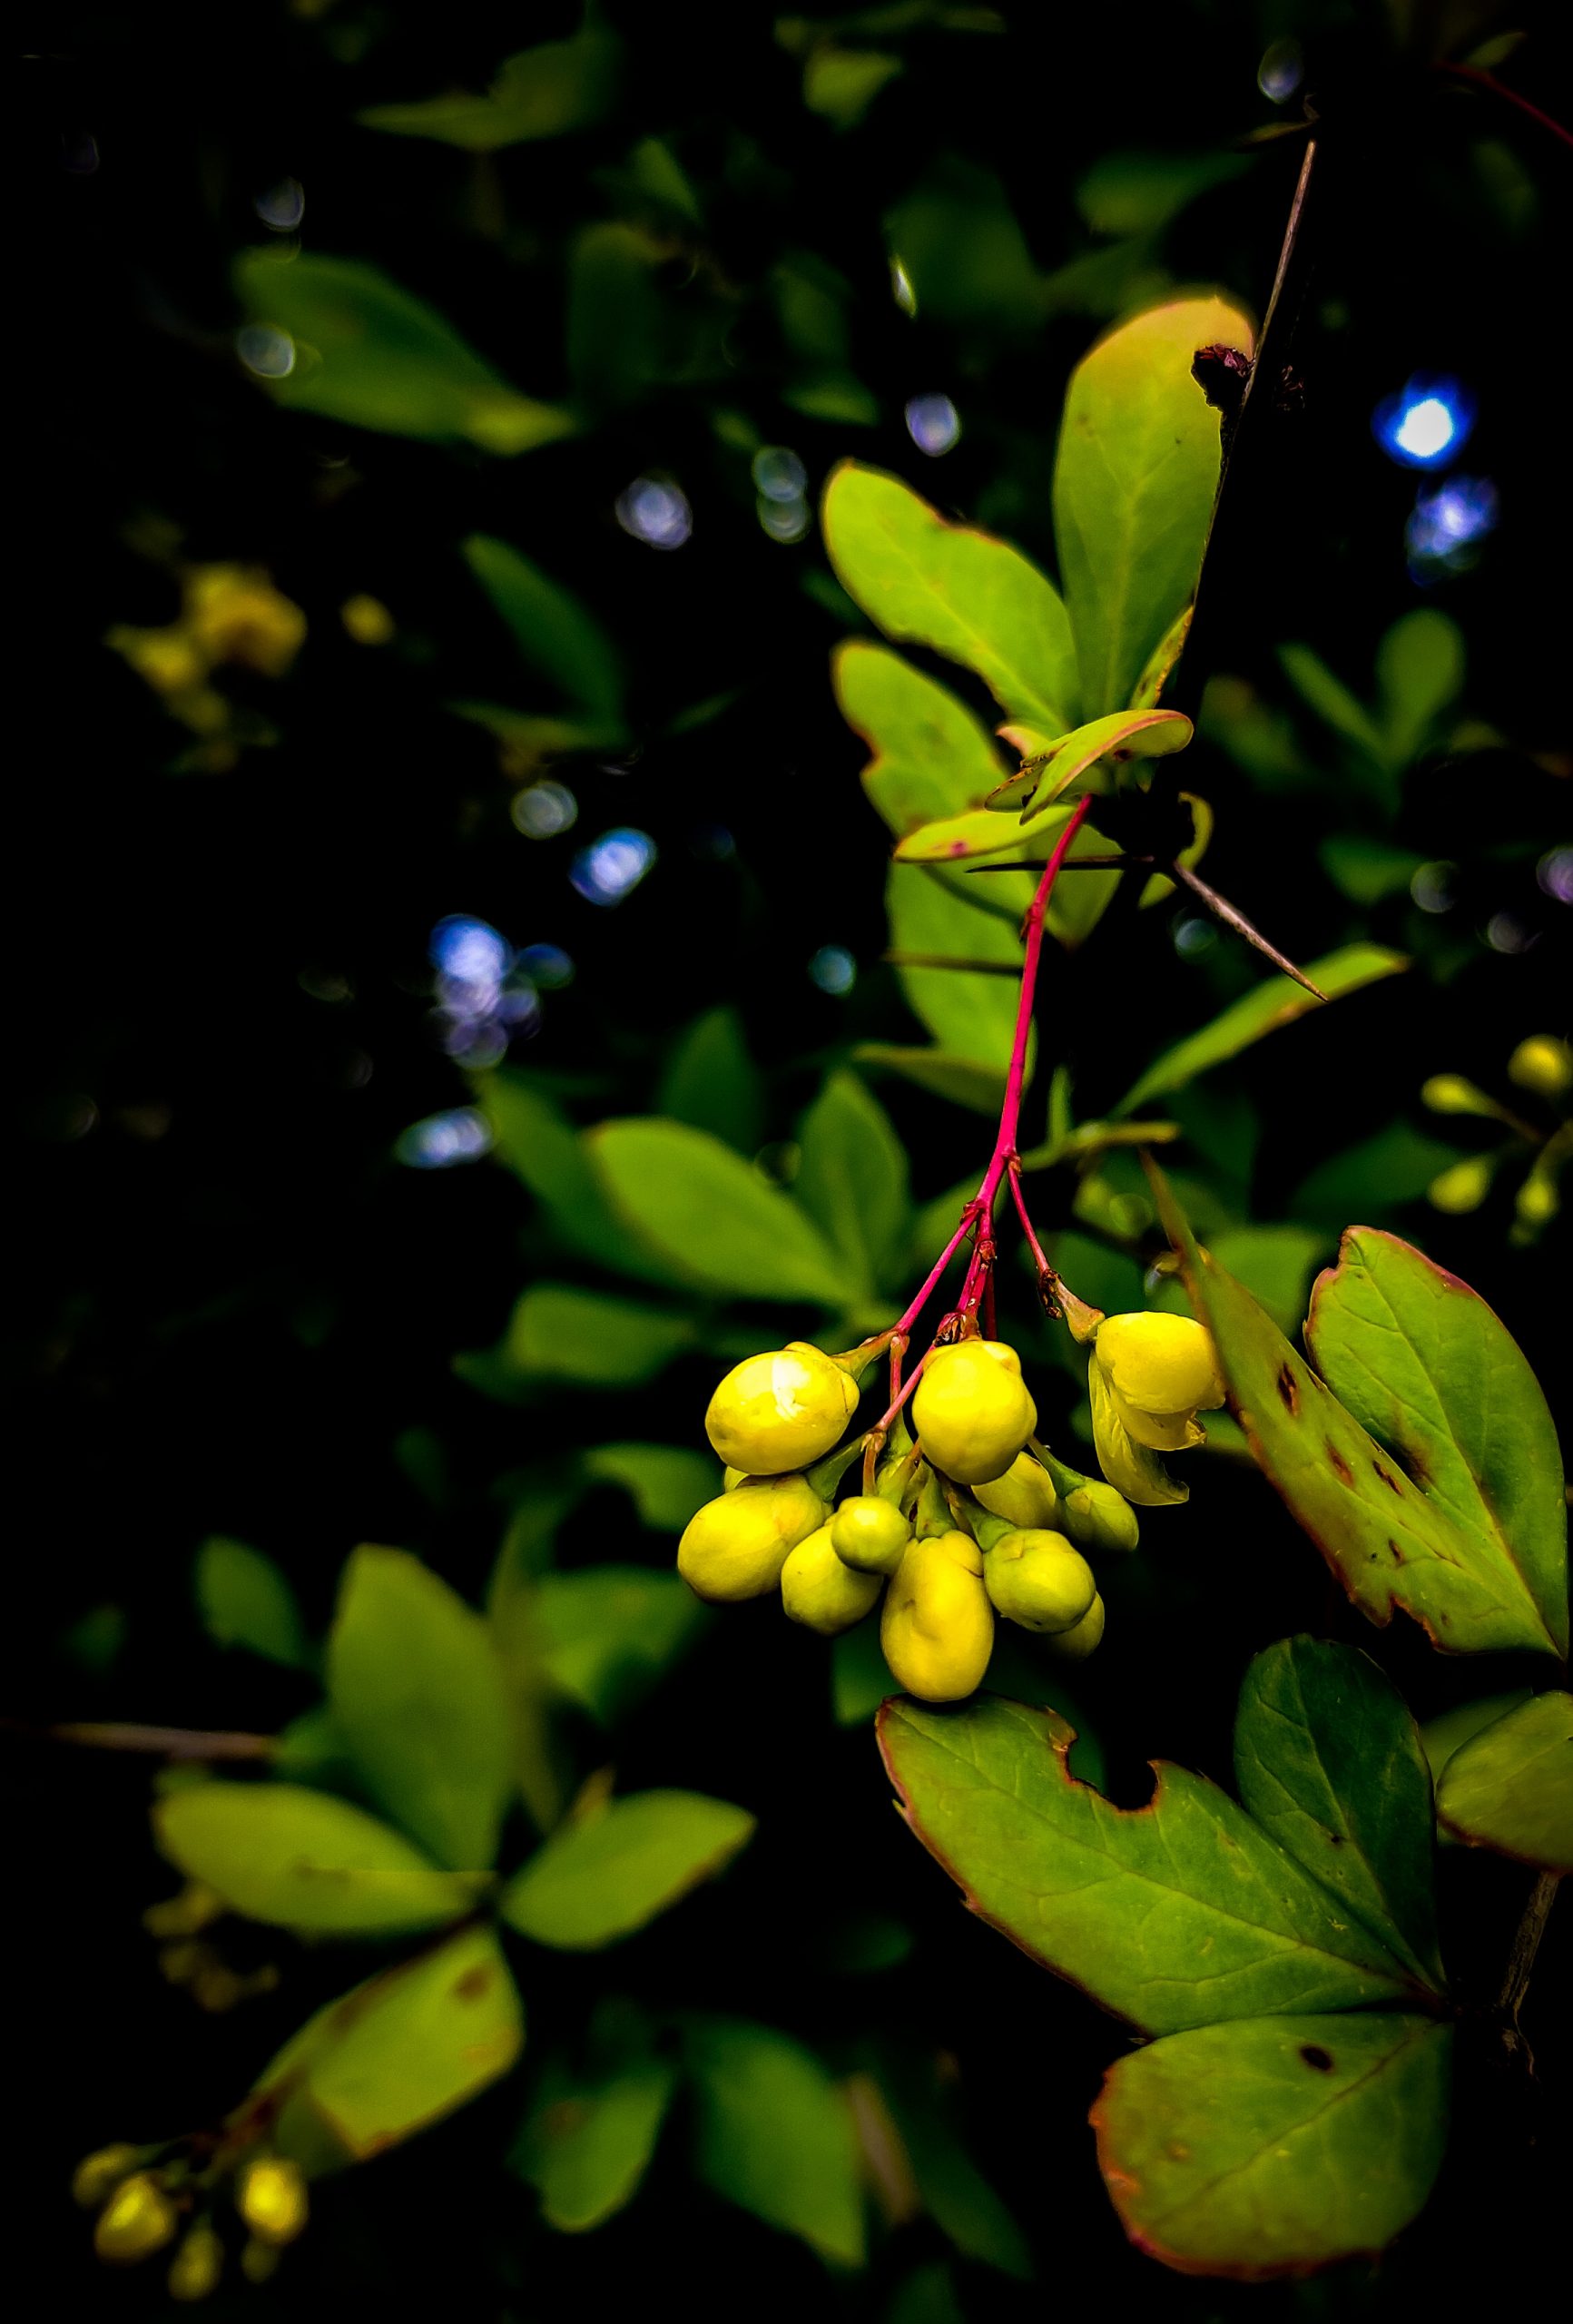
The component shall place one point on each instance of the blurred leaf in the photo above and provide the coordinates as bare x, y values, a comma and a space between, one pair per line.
417, 1690
860, 1677
932, 756
1332, 702
1262, 1010
398, 2053
541, 1770
713, 1084
1419, 673
370, 353
558, 1332
610, 1632
813, 305
851, 1179
773, 2135
536, 1142
927, 2295
1381, 1174
1135, 193
958, 2198
1509, 1786
1125, 1903
1367, 870
589, 2136
961, 247
1423, 1363
841, 83
1396, 1546
970, 597
1275, 2146
962, 1079
599, 1880
667, 1483
711, 1218
245, 1600
312, 1750
970, 1016
555, 631
1133, 482
301, 1859
542, 92
616, 326
1274, 1262
1328, 1759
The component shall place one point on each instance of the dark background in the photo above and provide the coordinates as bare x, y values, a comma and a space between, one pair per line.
236, 1310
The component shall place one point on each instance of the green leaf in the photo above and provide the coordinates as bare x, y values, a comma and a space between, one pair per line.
860, 1675
589, 2137
667, 1483
1332, 702
245, 1600
559, 1332
774, 2135
1419, 673
540, 1146
1510, 1786
609, 1633
542, 92
851, 1179
1394, 1544
958, 2198
555, 632
1262, 1010
962, 1079
1181, 1913
970, 1015
600, 1879
1328, 1761
1452, 1729
1055, 774
1271, 2148
398, 2053
1423, 1363
713, 1084
710, 1218
303, 1860
1133, 482
970, 597
1274, 1262
368, 352
841, 83
932, 756
1379, 1176
417, 1689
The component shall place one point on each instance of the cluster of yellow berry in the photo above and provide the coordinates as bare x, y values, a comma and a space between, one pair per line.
971, 1519
230, 614
147, 2197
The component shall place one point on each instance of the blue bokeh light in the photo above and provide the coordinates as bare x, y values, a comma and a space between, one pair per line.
933, 424
547, 965
655, 512
1448, 522
612, 866
1426, 424
833, 969
439, 1141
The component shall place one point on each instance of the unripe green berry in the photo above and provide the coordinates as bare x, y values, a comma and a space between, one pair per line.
781, 1410
1036, 1579
869, 1533
817, 1591
1024, 1495
1100, 1518
937, 1631
971, 1411
1076, 1644
197, 2266
1543, 1064
736, 1545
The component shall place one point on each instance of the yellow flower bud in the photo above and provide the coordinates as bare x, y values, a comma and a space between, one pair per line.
1160, 1365
1543, 1064
1024, 1495
1036, 1579
1464, 1186
1075, 1645
97, 2175
235, 614
271, 2196
937, 1631
869, 1533
1099, 1518
138, 2220
817, 1591
971, 1411
367, 620
736, 1545
781, 1410
197, 2266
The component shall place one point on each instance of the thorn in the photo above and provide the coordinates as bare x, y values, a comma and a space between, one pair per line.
1222, 909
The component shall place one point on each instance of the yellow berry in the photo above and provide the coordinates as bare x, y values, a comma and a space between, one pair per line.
1160, 1364
97, 2175
937, 1631
1462, 1187
138, 2220
367, 620
1024, 1495
195, 2269
972, 1410
1543, 1064
869, 1533
1076, 1644
1036, 1579
271, 2198
781, 1410
817, 1591
736, 1545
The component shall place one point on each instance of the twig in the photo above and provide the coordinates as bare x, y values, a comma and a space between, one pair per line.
1232, 917
161, 1742
1526, 1944
1484, 80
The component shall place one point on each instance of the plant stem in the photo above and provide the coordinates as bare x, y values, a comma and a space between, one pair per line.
1526, 1938
164, 1742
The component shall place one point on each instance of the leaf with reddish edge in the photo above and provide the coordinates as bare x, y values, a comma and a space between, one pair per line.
1423, 1362
1393, 1546
1278, 2146
1179, 1914
1510, 1786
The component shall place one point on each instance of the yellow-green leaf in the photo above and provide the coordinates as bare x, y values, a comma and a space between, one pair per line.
601, 1878
1510, 1786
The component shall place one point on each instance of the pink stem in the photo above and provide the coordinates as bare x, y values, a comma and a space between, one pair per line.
1033, 1245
